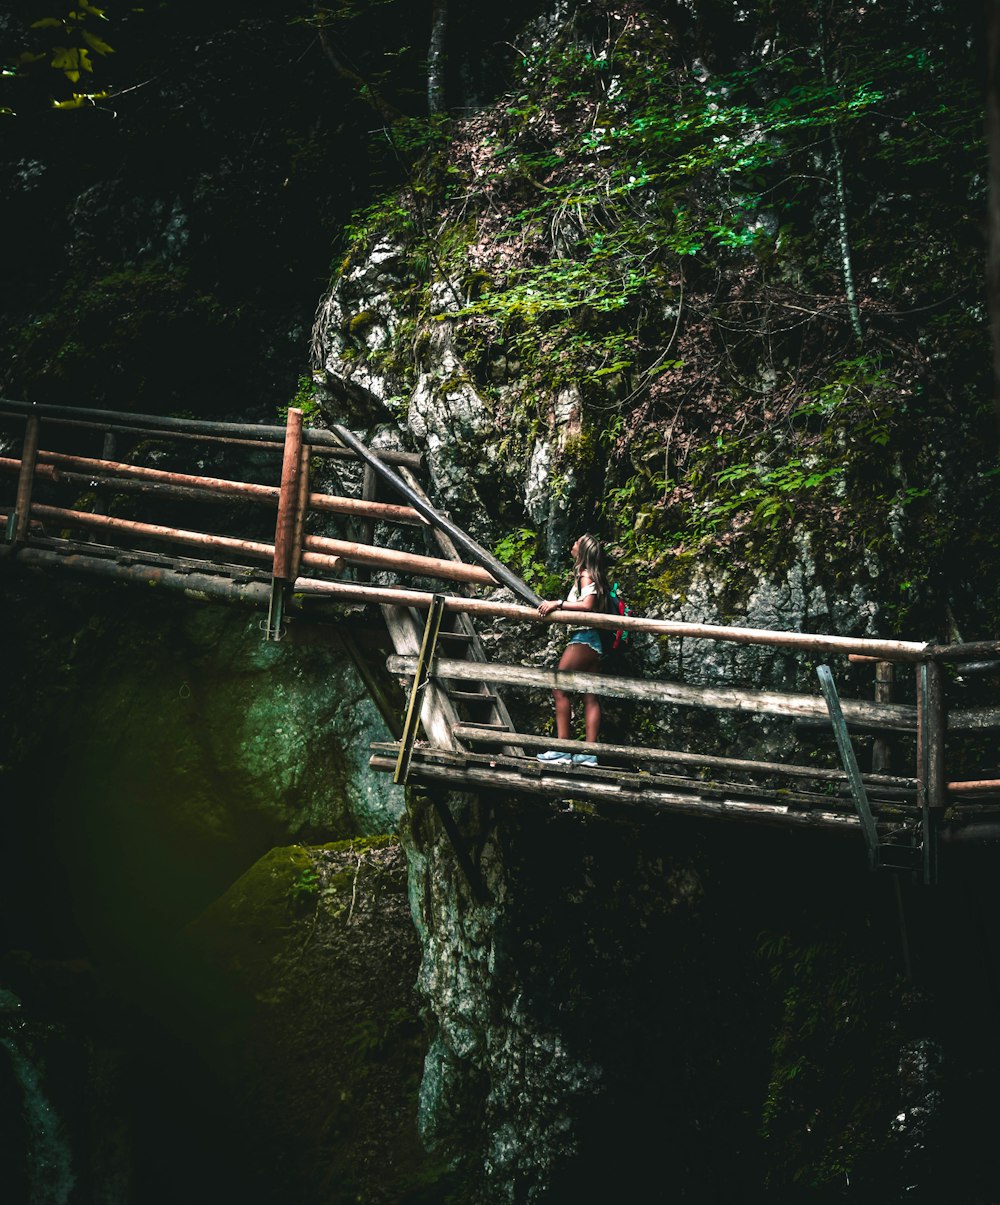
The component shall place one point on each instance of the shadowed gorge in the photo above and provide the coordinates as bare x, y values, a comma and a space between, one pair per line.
710, 281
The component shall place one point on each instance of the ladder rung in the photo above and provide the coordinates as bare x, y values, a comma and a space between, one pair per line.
456, 637
487, 727
472, 696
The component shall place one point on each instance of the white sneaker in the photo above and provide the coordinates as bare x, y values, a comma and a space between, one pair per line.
584, 759
554, 757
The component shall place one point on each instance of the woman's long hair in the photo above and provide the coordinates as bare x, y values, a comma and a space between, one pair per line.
590, 558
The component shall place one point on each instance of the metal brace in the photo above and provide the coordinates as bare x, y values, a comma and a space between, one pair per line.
421, 676
275, 611
850, 762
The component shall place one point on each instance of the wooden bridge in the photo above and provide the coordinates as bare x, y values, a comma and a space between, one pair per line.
72, 506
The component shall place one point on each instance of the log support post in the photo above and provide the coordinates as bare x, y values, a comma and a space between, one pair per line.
369, 493
931, 789
17, 527
428, 647
108, 450
881, 749
289, 498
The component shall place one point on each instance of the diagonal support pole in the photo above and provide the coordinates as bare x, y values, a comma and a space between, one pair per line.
428, 647
850, 762
468, 545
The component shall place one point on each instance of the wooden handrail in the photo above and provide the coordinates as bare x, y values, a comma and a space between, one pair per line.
257, 433
251, 491
891, 716
254, 549
895, 650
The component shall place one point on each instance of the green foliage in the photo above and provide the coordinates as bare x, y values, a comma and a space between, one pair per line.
305, 399
69, 50
519, 551
662, 246
304, 887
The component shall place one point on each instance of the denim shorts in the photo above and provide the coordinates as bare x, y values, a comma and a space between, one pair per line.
591, 637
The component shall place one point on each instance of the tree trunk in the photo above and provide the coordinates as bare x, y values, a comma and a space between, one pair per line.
993, 143
846, 266
436, 57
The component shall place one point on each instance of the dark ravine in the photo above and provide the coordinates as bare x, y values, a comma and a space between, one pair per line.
236, 965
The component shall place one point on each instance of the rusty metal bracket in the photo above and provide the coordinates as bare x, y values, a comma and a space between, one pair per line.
275, 611
428, 647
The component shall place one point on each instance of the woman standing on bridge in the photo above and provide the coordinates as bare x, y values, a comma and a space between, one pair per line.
585, 648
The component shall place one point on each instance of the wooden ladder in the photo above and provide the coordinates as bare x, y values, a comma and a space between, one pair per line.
475, 704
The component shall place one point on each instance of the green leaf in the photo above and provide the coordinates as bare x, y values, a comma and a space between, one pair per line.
96, 43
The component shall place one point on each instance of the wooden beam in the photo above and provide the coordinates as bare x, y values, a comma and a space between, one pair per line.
250, 491
472, 550
176, 535
970, 787
291, 466
644, 754
936, 728
301, 508
645, 779
200, 586
893, 716
411, 724
26, 478
893, 650
981, 650
557, 786
111, 420
439, 716
885, 676
266, 494
401, 562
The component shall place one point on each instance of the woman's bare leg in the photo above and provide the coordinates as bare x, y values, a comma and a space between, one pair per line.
583, 659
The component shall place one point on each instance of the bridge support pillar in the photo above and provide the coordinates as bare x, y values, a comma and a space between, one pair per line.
17, 531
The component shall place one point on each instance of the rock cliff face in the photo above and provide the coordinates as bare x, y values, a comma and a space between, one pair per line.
639, 1002
585, 312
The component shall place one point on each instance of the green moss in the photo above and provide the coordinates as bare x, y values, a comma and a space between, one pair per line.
359, 324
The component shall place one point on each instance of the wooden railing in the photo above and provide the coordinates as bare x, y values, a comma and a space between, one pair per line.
297, 564
292, 552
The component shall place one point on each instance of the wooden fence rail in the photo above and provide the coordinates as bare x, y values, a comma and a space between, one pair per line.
893, 717
300, 567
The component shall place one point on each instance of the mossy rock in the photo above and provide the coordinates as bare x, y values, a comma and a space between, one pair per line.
300, 986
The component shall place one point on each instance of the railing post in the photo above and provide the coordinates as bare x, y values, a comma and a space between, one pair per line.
885, 677
428, 647
930, 760
107, 453
369, 493
285, 527
301, 507
18, 532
